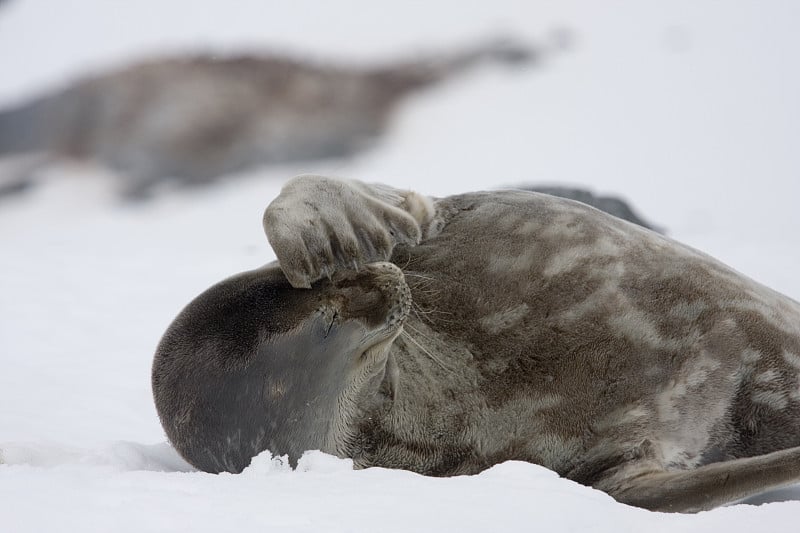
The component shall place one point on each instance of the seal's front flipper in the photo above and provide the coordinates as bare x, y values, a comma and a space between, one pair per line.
708, 486
319, 225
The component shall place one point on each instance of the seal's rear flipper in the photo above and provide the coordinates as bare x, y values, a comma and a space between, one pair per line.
708, 486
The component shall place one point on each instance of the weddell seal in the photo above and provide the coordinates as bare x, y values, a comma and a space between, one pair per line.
447, 335
190, 120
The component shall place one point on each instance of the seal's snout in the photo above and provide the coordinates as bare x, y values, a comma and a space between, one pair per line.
376, 294
392, 282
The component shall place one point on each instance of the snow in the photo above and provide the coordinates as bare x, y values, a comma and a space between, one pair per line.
687, 108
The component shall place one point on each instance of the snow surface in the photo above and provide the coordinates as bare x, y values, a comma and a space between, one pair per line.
688, 108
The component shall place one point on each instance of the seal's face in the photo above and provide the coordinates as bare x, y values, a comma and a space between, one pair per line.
253, 364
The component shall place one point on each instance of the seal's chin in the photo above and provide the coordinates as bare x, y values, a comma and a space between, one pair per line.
377, 368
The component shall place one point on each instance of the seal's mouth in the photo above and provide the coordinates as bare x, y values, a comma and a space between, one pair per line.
379, 339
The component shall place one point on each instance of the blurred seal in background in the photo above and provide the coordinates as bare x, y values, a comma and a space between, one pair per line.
191, 120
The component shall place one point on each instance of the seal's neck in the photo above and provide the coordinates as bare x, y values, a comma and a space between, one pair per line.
423, 427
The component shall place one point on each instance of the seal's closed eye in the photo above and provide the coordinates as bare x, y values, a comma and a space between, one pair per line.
333, 320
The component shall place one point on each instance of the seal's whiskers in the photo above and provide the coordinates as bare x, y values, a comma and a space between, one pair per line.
407, 335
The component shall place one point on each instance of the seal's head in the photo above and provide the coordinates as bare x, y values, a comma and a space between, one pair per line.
253, 364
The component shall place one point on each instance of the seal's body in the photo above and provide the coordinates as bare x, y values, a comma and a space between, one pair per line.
538, 329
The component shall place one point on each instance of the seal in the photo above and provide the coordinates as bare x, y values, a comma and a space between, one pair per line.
534, 328
190, 120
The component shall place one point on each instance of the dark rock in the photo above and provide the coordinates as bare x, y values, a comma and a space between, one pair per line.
610, 204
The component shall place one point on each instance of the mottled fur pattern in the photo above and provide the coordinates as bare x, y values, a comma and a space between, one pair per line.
543, 330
